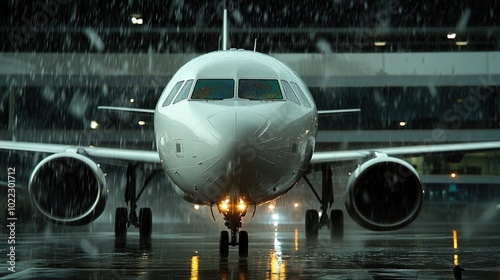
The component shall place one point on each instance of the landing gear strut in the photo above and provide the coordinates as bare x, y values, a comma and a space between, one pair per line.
336, 220
232, 215
124, 218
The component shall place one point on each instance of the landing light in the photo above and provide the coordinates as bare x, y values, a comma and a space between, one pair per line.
451, 36
141, 123
132, 100
196, 206
296, 205
379, 43
402, 124
453, 174
224, 205
242, 205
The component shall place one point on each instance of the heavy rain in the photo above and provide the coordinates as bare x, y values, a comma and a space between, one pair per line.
83, 83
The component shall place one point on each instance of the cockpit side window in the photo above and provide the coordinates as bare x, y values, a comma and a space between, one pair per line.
259, 89
172, 93
290, 95
184, 91
301, 94
213, 89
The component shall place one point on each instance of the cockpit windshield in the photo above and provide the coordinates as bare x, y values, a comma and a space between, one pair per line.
259, 89
213, 89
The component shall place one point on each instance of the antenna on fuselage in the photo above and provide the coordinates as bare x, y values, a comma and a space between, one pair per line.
224, 31
255, 45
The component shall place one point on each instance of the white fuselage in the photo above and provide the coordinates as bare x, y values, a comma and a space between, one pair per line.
218, 137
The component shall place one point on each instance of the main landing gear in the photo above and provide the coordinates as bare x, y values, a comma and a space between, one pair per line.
124, 218
336, 220
233, 212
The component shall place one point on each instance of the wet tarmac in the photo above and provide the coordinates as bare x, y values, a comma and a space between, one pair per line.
423, 251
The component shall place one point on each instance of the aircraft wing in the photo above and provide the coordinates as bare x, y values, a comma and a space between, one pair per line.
94, 152
333, 156
318, 157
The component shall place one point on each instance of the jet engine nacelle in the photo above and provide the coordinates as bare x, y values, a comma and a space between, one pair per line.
384, 193
68, 188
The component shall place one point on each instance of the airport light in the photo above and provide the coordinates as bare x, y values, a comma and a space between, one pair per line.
455, 239
94, 124
136, 19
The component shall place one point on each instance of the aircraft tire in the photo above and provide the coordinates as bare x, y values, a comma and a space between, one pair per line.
224, 244
312, 225
243, 246
121, 223
336, 224
145, 223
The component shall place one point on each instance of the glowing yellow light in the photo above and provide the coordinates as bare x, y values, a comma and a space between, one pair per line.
223, 206
196, 206
296, 205
242, 206
379, 43
271, 207
296, 239
141, 123
453, 175
451, 36
132, 100
455, 259
194, 267
402, 124
455, 239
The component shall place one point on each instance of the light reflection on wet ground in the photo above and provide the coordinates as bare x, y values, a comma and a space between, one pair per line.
420, 252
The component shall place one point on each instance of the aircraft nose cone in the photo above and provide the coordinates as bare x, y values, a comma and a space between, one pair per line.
230, 135
254, 133
233, 128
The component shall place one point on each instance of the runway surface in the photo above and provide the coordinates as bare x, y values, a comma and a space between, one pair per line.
423, 251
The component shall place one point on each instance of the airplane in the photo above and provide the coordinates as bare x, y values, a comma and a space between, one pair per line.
234, 129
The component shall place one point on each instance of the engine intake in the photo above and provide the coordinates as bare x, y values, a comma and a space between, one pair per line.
384, 193
68, 188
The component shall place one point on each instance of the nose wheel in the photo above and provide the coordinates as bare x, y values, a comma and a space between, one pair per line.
224, 244
233, 214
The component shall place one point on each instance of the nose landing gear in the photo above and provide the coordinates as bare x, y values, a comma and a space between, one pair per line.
232, 215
